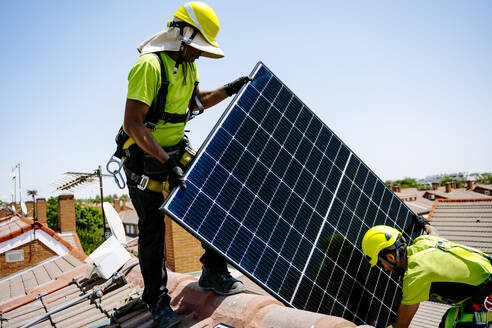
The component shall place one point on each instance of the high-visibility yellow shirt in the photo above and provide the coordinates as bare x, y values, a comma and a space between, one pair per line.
144, 82
442, 275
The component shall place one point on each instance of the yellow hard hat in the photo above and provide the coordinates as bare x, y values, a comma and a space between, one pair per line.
376, 239
201, 16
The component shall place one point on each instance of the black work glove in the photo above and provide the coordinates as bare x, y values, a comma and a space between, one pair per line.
420, 222
233, 87
175, 176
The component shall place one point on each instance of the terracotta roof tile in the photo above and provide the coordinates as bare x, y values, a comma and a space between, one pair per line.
199, 308
26, 285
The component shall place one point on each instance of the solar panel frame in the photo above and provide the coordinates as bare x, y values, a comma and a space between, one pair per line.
346, 168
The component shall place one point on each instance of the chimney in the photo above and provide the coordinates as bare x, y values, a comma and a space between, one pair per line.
393, 189
453, 184
117, 204
469, 185
435, 185
448, 186
66, 213
398, 188
41, 210
30, 208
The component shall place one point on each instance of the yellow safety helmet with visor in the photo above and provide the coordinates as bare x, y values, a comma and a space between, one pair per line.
201, 16
378, 238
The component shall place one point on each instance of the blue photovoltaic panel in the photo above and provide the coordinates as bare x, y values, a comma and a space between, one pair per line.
277, 193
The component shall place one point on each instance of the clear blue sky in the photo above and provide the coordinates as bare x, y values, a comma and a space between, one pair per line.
407, 85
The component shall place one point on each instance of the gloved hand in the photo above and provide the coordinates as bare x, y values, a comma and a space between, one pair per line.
420, 222
176, 175
233, 87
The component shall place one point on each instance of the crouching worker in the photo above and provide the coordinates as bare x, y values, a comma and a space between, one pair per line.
436, 269
163, 94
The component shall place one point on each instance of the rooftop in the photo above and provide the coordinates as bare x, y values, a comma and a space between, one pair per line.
460, 193
129, 216
17, 230
414, 199
199, 308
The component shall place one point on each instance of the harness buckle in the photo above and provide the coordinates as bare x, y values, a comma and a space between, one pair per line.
441, 246
480, 318
142, 185
150, 125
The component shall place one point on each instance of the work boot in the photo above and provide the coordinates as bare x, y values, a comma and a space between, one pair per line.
221, 283
166, 318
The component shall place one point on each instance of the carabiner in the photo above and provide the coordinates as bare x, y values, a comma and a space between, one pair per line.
116, 172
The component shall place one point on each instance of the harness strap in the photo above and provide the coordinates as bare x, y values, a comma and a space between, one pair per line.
158, 108
143, 182
196, 102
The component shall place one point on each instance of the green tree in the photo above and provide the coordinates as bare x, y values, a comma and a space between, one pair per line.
444, 180
404, 183
484, 178
89, 227
52, 212
110, 198
88, 223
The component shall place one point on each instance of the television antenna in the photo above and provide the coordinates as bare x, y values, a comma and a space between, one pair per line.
79, 180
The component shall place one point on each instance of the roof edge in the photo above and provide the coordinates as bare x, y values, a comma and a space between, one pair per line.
80, 255
463, 200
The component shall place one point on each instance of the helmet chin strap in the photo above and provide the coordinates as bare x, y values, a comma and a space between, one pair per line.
398, 265
181, 26
395, 267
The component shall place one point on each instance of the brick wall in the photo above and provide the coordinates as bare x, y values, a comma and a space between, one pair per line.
34, 253
41, 210
117, 204
66, 213
183, 251
30, 208
169, 243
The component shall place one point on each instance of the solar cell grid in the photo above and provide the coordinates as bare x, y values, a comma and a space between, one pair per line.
287, 202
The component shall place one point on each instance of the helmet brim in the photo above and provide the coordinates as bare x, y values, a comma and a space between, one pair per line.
209, 50
169, 40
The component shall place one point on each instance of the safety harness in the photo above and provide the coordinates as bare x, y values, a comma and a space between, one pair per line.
481, 309
156, 113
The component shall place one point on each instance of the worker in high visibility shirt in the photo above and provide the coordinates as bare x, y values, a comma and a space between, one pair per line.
436, 269
164, 81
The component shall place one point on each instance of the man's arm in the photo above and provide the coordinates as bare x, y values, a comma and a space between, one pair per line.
405, 315
135, 112
212, 97
422, 223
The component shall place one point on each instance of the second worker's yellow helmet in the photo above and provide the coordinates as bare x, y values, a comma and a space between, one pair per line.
376, 239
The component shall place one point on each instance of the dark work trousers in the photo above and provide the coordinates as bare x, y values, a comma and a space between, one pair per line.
151, 248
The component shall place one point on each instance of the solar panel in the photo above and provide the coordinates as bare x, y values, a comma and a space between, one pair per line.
277, 193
